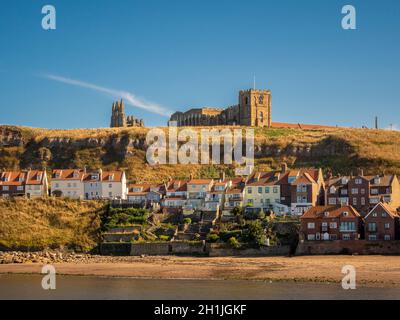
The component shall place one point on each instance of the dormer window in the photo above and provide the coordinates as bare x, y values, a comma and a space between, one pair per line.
20, 178
326, 214
377, 180
39, 177
345, 214
110, 178
345, 180
95, 177
333, 189
75, 175
57, 175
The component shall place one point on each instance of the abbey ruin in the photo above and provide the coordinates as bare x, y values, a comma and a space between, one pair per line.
253, 109
118, 118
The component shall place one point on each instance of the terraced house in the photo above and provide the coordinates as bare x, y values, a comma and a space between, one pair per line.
262, 191
329, 223
363, 192
79, 184
29, 183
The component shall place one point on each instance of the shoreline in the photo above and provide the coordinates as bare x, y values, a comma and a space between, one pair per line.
372, 271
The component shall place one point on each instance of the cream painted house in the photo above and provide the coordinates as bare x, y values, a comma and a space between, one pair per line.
68, 183
262, 191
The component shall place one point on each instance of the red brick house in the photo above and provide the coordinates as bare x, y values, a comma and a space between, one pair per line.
324, 223
382, 223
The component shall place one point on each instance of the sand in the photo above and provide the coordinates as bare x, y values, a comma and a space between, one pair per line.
371, 270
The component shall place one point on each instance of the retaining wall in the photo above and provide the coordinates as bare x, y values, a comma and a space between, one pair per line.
348, 247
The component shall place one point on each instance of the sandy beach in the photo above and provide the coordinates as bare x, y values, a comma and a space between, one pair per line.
380, 271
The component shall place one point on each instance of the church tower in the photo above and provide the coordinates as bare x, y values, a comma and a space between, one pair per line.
255, 108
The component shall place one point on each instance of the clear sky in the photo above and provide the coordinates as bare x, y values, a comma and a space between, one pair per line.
173, 55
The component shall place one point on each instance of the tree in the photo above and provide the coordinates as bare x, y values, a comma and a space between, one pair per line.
254, 234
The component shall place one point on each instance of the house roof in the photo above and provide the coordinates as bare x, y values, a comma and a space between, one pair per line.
200, 181
298, 173
12, 178
177, 186
318, 212
35, 177
392, 212
262, 179
20, 178
67, 174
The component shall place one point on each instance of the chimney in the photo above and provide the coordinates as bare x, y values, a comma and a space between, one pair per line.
84, 170
284, 167
376, 123
100, 174
361, 172
191, 176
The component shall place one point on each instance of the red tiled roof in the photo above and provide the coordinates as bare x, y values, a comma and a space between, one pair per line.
334, 212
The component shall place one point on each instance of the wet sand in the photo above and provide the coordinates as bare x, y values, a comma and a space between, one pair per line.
381, 271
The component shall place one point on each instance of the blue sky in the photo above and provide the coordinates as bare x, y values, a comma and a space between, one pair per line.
178, 54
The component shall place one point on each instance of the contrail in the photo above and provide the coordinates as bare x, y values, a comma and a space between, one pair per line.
129, 97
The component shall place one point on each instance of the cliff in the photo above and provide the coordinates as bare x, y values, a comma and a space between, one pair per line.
337, 149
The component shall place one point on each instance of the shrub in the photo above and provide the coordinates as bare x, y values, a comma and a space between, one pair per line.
226, 235
234, 243
163, 238
212, 238
254, 234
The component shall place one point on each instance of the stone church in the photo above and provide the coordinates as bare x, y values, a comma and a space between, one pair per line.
253, 109
118, 118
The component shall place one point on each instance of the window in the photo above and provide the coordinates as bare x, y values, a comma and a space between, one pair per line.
69, 185
311, 225
386, 237
387, 225
344, 191
110, 185
362, 191
301, 188
358, 181
275, 190
354, 201
259, 189
20, 188
363, 201
311, 237
347, 226
346, 237
384, 214
333, 225
6, 188
332, 237
110, 194
372, 237
332, 201
249, 190
374, 191
374, 214
372, 227
373, 200
266, 189
354, 191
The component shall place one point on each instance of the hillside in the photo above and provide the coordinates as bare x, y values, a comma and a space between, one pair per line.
338, 149
50, 223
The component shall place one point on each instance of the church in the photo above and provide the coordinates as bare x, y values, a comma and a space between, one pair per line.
118, 118
253, 109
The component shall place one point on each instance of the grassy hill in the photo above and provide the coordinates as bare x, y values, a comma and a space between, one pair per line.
341, 150
50, 223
